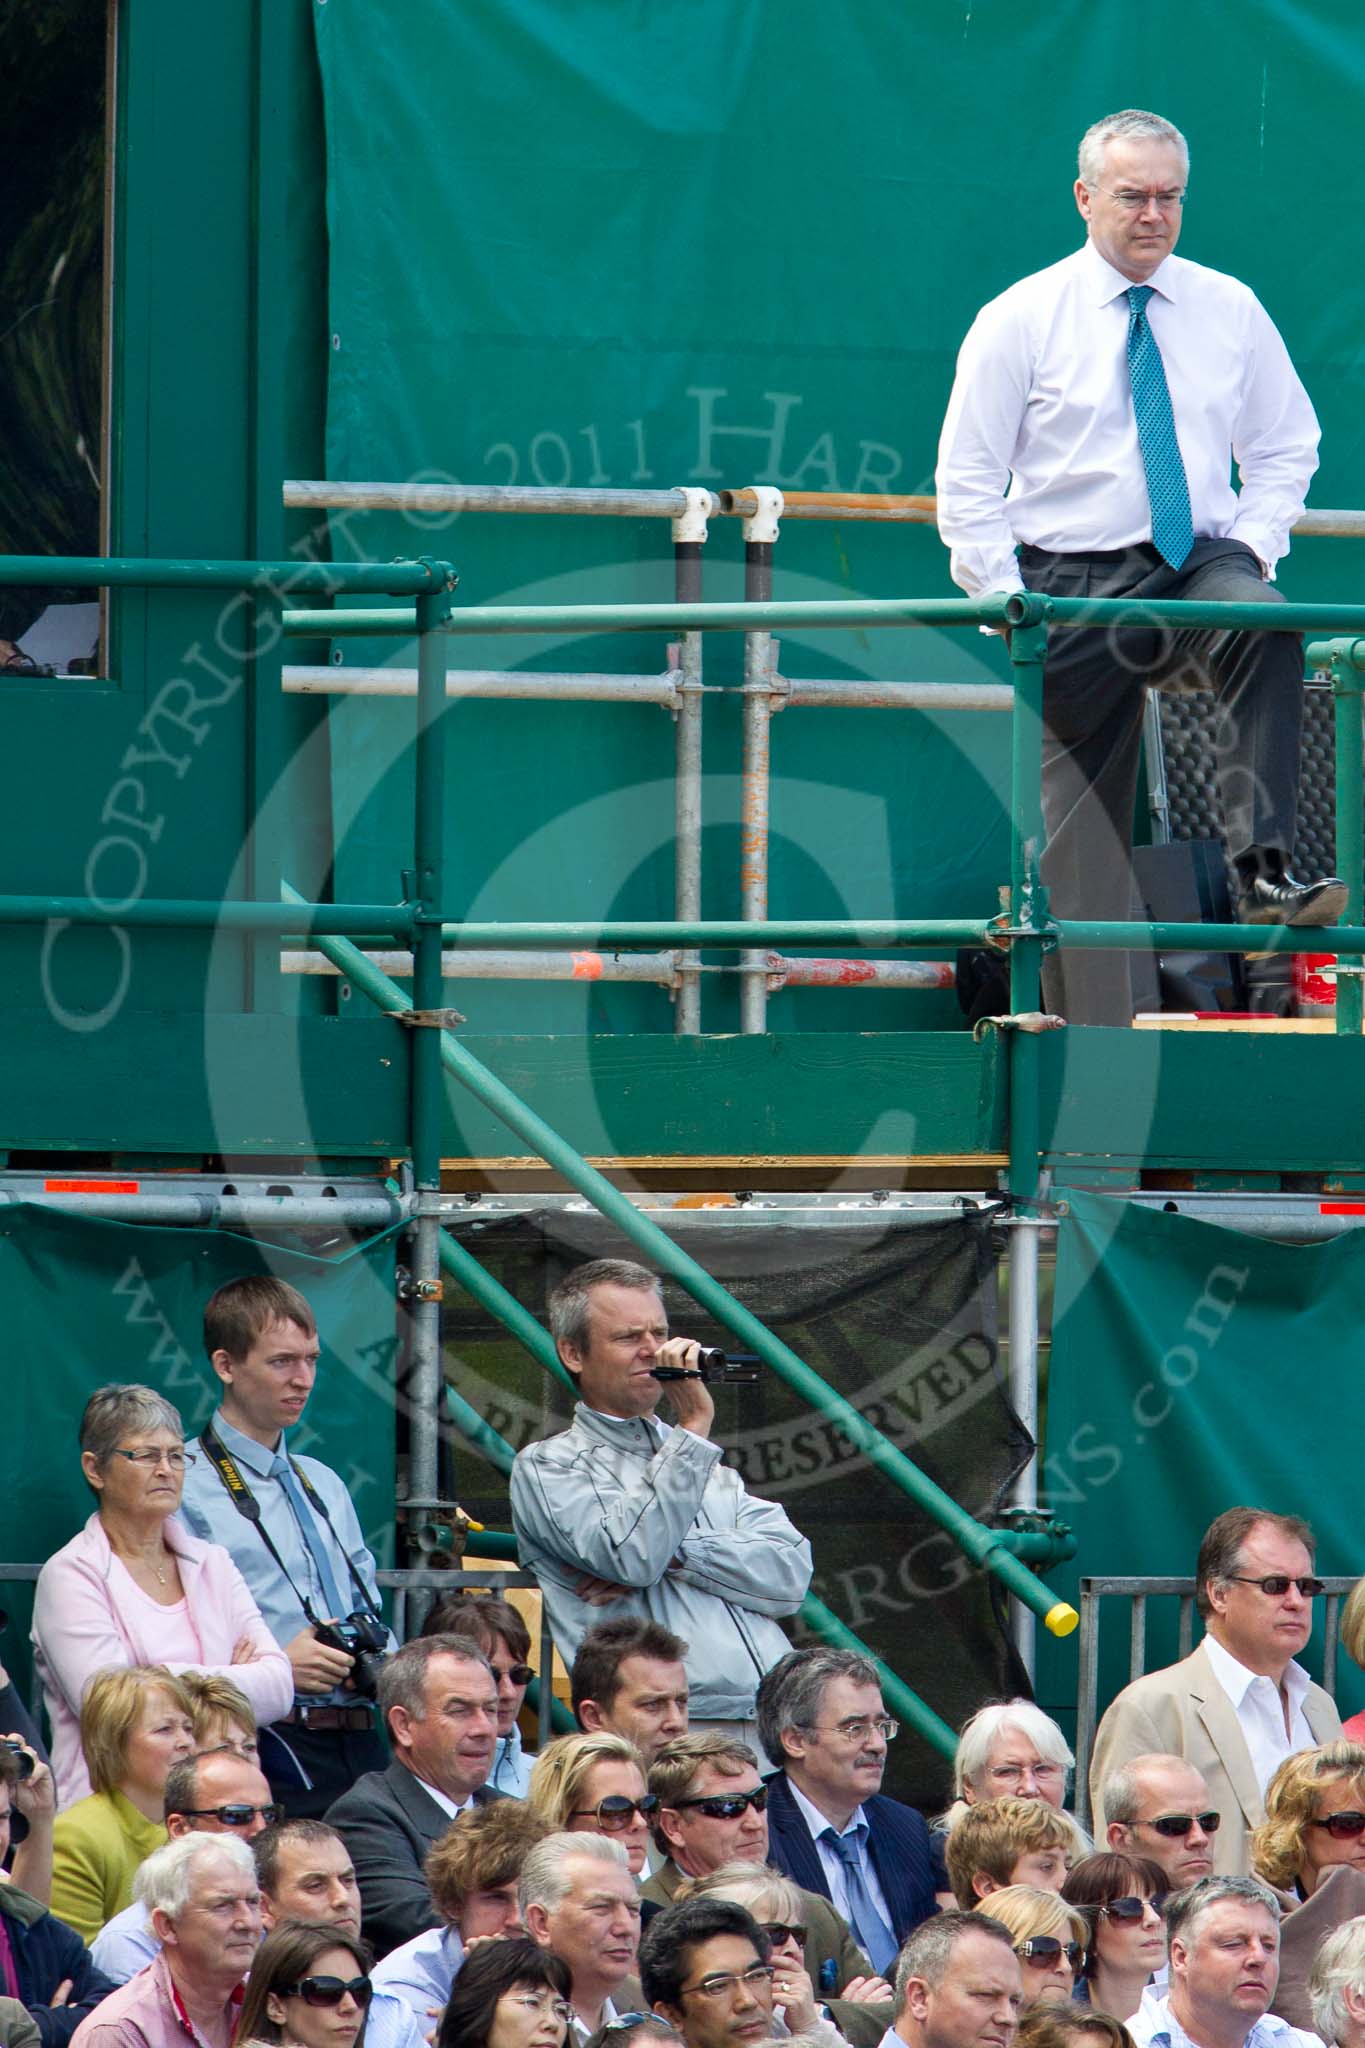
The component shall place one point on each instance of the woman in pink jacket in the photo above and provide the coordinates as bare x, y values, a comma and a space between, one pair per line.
134, 1587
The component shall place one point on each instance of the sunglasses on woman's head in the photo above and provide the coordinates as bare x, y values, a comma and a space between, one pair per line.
328, 1990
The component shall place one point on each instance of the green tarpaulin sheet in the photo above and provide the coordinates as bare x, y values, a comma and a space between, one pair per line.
1196, 1369
84, 1302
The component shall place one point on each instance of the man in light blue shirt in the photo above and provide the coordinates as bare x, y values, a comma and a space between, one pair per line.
1224, 1939
299, 1548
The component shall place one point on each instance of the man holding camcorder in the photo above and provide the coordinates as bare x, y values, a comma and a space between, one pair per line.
623, 1514
291, 1528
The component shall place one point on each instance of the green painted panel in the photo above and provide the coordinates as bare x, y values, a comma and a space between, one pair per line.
1286, 1103
791, 1092
164, 1082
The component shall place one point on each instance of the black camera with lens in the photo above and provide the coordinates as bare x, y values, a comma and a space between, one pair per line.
714, 1367
23, 1758
363, 1637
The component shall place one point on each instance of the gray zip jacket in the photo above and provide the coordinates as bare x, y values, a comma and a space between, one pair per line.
654, 1509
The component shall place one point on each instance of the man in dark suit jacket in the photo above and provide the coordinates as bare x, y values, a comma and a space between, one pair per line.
829, 1826
439, 1700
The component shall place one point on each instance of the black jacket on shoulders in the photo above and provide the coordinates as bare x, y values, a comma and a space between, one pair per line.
45, 1951
389, 1820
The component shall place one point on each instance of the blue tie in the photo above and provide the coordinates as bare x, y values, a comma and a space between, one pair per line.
1167, 487
872, 1931
308, 1529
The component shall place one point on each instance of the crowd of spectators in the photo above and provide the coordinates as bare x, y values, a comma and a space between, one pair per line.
726, 1881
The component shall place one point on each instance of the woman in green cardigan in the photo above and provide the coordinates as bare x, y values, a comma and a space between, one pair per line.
135, 1723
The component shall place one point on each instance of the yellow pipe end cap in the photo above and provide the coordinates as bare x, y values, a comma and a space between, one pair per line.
1061, 1619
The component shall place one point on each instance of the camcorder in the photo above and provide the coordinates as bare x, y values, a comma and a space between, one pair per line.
715, 1367
365, 1639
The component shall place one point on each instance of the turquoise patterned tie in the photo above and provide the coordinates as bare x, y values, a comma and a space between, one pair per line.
1167, 488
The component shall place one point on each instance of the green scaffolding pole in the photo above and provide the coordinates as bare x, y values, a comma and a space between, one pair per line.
819, 1619
995, 1550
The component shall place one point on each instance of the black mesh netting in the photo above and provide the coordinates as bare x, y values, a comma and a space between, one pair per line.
901, 1319
1187, 742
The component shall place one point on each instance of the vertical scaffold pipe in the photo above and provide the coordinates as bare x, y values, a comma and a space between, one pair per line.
760, 533
689, 536
1028, 645
428, 1075
1350, 795
1023, 1328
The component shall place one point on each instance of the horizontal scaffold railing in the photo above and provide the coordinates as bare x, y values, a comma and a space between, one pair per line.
1029, 931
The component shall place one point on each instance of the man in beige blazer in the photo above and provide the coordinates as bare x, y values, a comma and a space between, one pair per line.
1239, 1704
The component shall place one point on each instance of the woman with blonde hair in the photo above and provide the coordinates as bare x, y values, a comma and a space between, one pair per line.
1049, 1939
1314, 1819
1353, 1642
594, 1785
135, 1723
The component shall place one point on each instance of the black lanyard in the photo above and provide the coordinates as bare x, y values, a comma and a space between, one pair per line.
246, 1504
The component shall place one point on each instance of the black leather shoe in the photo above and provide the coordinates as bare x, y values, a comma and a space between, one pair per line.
1279, 899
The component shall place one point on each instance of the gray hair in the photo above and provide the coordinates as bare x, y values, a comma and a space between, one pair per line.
978, 1737
1338, 1967
1121, 1793
544, 1879
402, 1682
569, 1304
758, 1887
112, 1411
789, 1695
1184, 1912
929, 1947
1132, 121
165, 1881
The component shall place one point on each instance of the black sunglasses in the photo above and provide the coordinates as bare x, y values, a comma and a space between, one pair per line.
237, 1815
777, 1931
616, 1812
717, 1808
328, 1990
520, 1674
1276, 1584
1176, 1825
1044, 1951
1344, 1826
1128, 1909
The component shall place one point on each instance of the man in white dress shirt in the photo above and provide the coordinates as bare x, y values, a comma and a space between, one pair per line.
1224, 1935
1240, 1703
1098, 407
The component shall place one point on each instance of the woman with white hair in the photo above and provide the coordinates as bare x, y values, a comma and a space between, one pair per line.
135, 1587
1011, 1749
1336, 1986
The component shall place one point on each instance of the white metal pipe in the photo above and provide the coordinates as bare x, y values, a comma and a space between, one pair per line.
840, 693
477, 965
687, 786
254, 1212
528, 685
319, 495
